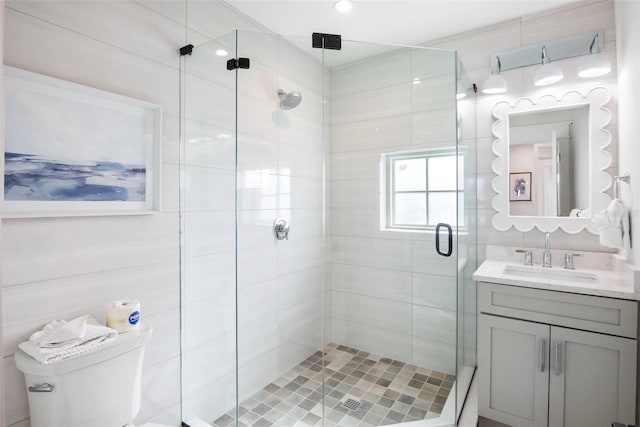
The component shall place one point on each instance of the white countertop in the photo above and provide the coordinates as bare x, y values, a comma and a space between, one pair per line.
609, 283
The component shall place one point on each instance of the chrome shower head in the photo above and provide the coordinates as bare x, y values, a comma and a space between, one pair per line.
289, 100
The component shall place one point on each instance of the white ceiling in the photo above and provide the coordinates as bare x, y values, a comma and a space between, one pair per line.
387, 21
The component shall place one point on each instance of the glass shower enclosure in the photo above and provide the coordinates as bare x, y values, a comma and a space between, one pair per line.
327, 232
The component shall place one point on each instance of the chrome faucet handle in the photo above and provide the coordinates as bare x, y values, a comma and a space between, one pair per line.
546, 255
528, 256
568, 260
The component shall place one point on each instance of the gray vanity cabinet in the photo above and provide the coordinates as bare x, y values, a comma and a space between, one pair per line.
595, 382
513, 376
534, 372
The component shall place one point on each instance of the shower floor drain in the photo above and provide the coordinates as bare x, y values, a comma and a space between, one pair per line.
351, 404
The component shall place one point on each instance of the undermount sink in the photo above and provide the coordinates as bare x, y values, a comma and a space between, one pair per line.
577, 276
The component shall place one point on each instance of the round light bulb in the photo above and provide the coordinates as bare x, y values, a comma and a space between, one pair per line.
494, 84
594, 65
343, 6
548, 74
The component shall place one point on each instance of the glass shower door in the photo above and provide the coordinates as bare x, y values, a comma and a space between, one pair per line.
280, 274
328, 234
467, 258
401, 232
208, 233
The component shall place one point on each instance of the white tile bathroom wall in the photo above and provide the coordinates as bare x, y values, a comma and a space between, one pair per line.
475, 48
57, 268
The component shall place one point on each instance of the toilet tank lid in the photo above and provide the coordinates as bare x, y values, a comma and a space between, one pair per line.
123, 343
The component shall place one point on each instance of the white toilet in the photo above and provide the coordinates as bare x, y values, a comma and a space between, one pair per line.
97, 389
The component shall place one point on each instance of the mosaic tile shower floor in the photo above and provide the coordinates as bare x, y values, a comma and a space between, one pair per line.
389, 392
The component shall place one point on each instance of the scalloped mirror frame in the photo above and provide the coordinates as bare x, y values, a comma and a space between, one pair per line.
600, 159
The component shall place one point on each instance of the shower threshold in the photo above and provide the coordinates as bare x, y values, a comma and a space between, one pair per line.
360, 389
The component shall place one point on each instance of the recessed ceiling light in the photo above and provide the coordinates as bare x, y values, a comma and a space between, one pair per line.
343, 6
222, 52
416, 81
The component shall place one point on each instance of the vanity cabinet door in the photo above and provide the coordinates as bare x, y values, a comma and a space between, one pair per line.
513, 363
592, 379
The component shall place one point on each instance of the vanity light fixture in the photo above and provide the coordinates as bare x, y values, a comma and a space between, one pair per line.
495, 83
343, 6
596, 64
588, 44
549, 73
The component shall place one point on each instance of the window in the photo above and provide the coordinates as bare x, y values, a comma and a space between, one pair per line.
422, 188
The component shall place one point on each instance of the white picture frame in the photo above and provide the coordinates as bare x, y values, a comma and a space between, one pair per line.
73, 150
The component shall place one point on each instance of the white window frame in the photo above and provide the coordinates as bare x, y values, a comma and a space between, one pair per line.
387, 208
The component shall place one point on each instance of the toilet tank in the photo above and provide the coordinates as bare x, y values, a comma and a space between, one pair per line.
96, 389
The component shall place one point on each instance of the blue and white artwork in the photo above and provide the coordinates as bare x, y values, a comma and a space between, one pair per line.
65, 146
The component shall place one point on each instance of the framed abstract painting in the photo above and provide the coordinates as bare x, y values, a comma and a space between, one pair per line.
72, 150
520, 187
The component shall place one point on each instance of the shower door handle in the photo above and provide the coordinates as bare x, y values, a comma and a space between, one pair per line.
450, 238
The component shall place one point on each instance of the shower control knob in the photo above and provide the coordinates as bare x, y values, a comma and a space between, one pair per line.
281, 229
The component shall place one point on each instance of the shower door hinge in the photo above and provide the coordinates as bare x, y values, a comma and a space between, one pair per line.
186, 50
326, 41
183, 424
234, 64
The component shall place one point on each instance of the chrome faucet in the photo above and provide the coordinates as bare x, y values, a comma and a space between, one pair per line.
546, 256
568, 260
528, 256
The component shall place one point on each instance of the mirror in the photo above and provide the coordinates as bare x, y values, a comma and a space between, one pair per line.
551, 161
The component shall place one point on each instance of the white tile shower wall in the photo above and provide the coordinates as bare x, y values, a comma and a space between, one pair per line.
58, 268
475, 48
